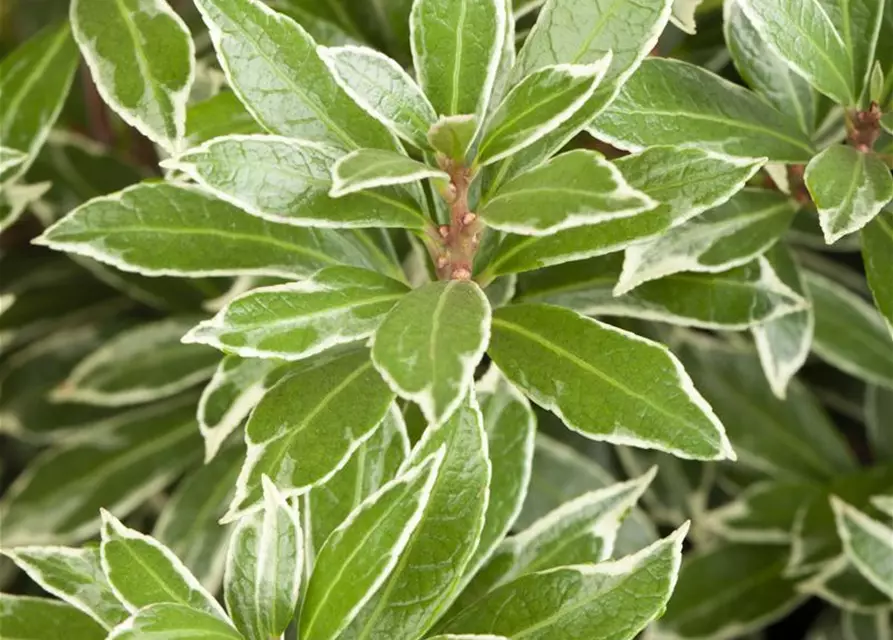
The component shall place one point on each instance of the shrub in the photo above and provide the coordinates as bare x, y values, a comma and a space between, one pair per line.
462, 282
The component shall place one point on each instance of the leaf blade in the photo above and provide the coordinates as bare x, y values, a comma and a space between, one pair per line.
456, 48
142, 571
272, 65
369, 168
297, 415
724, 118
406, 495
529, 333
149, 91
383, 89
264, 566
848, 187
288, 181
431, 362
295, 321
214, 238
573, 189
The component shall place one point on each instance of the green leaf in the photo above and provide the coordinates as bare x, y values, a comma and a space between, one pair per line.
264, 566
308, 425
673, 102
877, 254
288, 181
849, 188
364, 549
803, 34
29, 618
165, 620
456, 49
573, 601
762, 514
34, 80
765, 72
272, 65
27, 378
167, 229
729, 236
49, 292
730, 591
859, 23
75, 576
138, 365
736, 299
188, 523
580, 531
871, 626
511, 427
236, 388
868, 544
878, 406
792, 439
567, 363
428, 346
466, 636
426, 578
517, 253
573, 189
147, 86
538, 105
453, 135
573, 32
57, 498
849, 333
371, 168
816, 541
373, 464
218, 116
142, 571
381, 87
560, 474
686, 181
295, 321
841, 584
783, 343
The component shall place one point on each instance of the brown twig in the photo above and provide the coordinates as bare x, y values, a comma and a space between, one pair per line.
864, 127
457, 242
100, 125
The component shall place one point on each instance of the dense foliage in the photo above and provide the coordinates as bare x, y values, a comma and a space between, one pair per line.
403, 319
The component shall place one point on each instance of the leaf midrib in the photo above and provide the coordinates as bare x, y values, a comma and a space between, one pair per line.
292, 248
286, 80
144, 68
457, 58
297, 321
552, 96
741, 124
11, 107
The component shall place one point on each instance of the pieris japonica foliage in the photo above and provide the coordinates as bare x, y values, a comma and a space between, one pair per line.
405, 319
